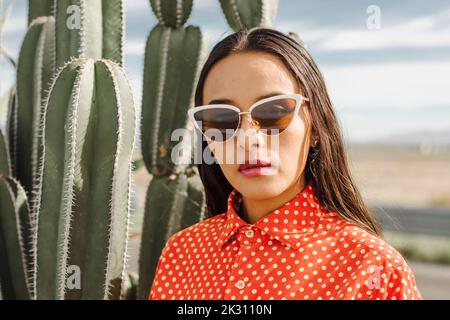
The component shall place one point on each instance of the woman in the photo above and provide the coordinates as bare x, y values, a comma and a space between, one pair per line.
286, 220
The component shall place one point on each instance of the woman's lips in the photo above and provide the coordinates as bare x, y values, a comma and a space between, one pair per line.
255, 168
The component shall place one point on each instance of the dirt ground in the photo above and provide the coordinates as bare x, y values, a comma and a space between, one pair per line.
401, 176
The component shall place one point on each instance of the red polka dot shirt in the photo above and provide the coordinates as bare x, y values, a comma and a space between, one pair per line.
298, 251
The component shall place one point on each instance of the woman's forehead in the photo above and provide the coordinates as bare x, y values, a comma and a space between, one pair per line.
244, 77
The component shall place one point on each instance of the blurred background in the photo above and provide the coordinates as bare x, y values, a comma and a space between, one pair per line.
387, 68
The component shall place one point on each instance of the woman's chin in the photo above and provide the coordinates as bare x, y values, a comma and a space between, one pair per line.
259, 187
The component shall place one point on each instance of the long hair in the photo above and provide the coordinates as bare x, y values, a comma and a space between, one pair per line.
327, 165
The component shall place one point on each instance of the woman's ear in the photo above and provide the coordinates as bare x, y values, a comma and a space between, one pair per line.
306, 116
314, 141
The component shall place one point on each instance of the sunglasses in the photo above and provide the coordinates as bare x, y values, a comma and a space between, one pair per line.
219, 122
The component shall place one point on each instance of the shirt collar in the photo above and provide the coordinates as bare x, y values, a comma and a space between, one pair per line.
287, 223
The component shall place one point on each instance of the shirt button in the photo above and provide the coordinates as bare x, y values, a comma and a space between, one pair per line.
249, 233
240, 284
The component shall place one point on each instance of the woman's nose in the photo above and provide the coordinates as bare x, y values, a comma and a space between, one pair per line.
248, 136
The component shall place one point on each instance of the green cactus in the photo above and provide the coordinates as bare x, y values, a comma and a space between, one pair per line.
175, 197
172, 61
11, 117
90, 29
296, 37
39, 8
165, 201
248, 14
172, 14
15, 240
129, 291
34, 73
172, 204
5, 165
195, 206
85, 180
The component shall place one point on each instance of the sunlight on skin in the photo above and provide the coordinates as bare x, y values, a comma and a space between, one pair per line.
241, 78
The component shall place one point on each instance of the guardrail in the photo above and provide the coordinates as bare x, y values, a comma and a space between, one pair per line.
428, 221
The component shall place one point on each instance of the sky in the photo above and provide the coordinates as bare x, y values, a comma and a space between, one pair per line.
383, 81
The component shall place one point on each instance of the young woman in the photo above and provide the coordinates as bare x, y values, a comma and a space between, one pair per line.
286, 221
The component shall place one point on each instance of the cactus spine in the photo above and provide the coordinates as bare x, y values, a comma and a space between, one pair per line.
61, 139
85, 180
15, 227
34, 71
5, 165
171, 62
15, 237
39, 8
175, 197
173, 14
89, 28
14, 240
248, 14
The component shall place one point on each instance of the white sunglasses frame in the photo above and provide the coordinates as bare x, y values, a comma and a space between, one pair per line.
297, 97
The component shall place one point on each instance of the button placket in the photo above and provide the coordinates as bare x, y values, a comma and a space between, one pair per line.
246, 238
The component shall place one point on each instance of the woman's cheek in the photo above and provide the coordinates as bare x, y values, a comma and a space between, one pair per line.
292, 148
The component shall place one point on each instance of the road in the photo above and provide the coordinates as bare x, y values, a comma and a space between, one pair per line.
433, 280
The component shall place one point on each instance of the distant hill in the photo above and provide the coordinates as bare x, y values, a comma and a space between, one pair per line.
419, 137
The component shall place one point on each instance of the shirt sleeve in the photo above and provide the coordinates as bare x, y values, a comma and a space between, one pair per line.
400, 285
157, 288
388, 281
382, 276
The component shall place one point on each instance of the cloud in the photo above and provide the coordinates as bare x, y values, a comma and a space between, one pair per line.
419, 32
135, 46
402, 85
137, 6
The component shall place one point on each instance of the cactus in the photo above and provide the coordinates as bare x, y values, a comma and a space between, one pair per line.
129, 291
34, 73
5, 165
196, 200
164, 205
15, 241
248, 14
172, 203
175, 197
85, 180
90, 29
39, 8
71, 129
171, 63
61, 139
10, 124
296, 37
173, 14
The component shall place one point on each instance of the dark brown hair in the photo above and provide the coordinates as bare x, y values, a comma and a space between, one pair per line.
327, 165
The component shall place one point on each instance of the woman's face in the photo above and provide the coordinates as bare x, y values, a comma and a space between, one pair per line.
243, 78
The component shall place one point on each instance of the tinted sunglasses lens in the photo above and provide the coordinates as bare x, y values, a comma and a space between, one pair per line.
217, 124
274, 116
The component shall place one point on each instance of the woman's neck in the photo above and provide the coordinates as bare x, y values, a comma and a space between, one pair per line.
254, 209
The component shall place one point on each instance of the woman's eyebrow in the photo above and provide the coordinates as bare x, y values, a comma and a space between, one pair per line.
230, 101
